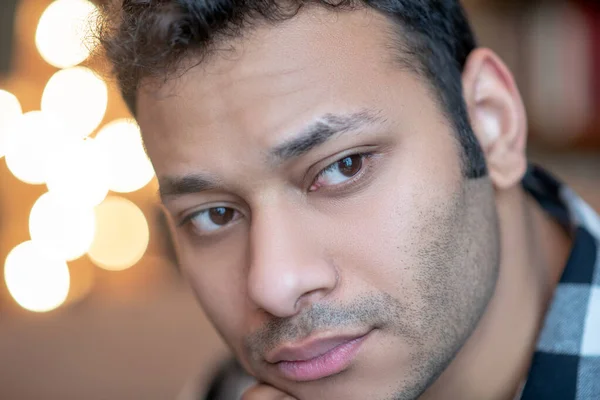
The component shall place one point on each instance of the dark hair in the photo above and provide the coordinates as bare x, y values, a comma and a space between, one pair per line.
155, 38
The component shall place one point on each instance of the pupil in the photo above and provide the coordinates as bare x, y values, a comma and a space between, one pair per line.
351, 165
221, 215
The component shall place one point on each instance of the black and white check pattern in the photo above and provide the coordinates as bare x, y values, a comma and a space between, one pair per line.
566, 364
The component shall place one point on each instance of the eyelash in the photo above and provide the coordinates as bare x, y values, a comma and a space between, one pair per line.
365, 157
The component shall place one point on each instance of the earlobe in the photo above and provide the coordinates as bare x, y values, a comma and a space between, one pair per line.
497, 116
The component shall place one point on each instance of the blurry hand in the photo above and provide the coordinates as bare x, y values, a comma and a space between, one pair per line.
265, 392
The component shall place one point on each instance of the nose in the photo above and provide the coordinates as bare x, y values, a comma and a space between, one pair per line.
288, 270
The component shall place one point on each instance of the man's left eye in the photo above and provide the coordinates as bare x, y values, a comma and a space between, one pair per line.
339, 172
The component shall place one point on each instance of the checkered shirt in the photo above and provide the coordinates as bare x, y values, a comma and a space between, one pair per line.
566, 363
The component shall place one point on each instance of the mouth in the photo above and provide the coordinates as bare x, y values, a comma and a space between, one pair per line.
316, 358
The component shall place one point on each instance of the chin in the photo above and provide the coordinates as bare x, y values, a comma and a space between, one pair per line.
342, 388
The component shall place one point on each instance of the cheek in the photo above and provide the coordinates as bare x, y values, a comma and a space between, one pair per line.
216, 277
387, 229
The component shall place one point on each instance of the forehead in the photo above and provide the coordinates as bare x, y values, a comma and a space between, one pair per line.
251, 93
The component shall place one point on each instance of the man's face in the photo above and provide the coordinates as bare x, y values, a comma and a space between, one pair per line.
319, 209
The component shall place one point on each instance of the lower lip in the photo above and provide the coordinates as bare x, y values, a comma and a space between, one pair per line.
333, 362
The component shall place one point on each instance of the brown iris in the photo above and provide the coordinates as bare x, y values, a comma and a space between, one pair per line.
221, 215
350, 165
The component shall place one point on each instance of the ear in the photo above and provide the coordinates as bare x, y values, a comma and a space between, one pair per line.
497, 116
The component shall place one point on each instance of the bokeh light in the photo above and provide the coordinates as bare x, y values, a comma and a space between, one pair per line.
63, 34
77, 174
83, 280
122, 234
37, 280
66, 230
30, 142
10, 111
78, 97
129, 166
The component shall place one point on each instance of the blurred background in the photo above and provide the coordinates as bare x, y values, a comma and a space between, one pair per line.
91, 302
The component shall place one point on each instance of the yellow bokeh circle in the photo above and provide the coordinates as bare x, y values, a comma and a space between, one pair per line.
37, 280
63, 36
30, 142
129, 166
77, 174
63, 229
78, 97
122, 234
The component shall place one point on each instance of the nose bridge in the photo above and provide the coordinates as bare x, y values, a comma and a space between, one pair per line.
286, 263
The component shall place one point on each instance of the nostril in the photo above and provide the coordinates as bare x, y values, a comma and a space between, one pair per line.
309, 298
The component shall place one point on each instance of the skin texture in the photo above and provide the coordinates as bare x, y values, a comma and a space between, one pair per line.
438, 268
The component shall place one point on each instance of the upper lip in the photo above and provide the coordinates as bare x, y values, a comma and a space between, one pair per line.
310, 348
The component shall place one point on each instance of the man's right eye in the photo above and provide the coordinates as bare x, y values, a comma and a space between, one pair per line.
207, 221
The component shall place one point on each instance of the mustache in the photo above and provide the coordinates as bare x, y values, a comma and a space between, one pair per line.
370, 311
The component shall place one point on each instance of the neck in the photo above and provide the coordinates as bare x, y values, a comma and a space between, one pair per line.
495, 360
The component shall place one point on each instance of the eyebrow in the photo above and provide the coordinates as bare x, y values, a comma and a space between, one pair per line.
323, 129
315, 134
176, 186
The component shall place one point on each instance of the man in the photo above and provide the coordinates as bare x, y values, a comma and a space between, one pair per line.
351, 200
